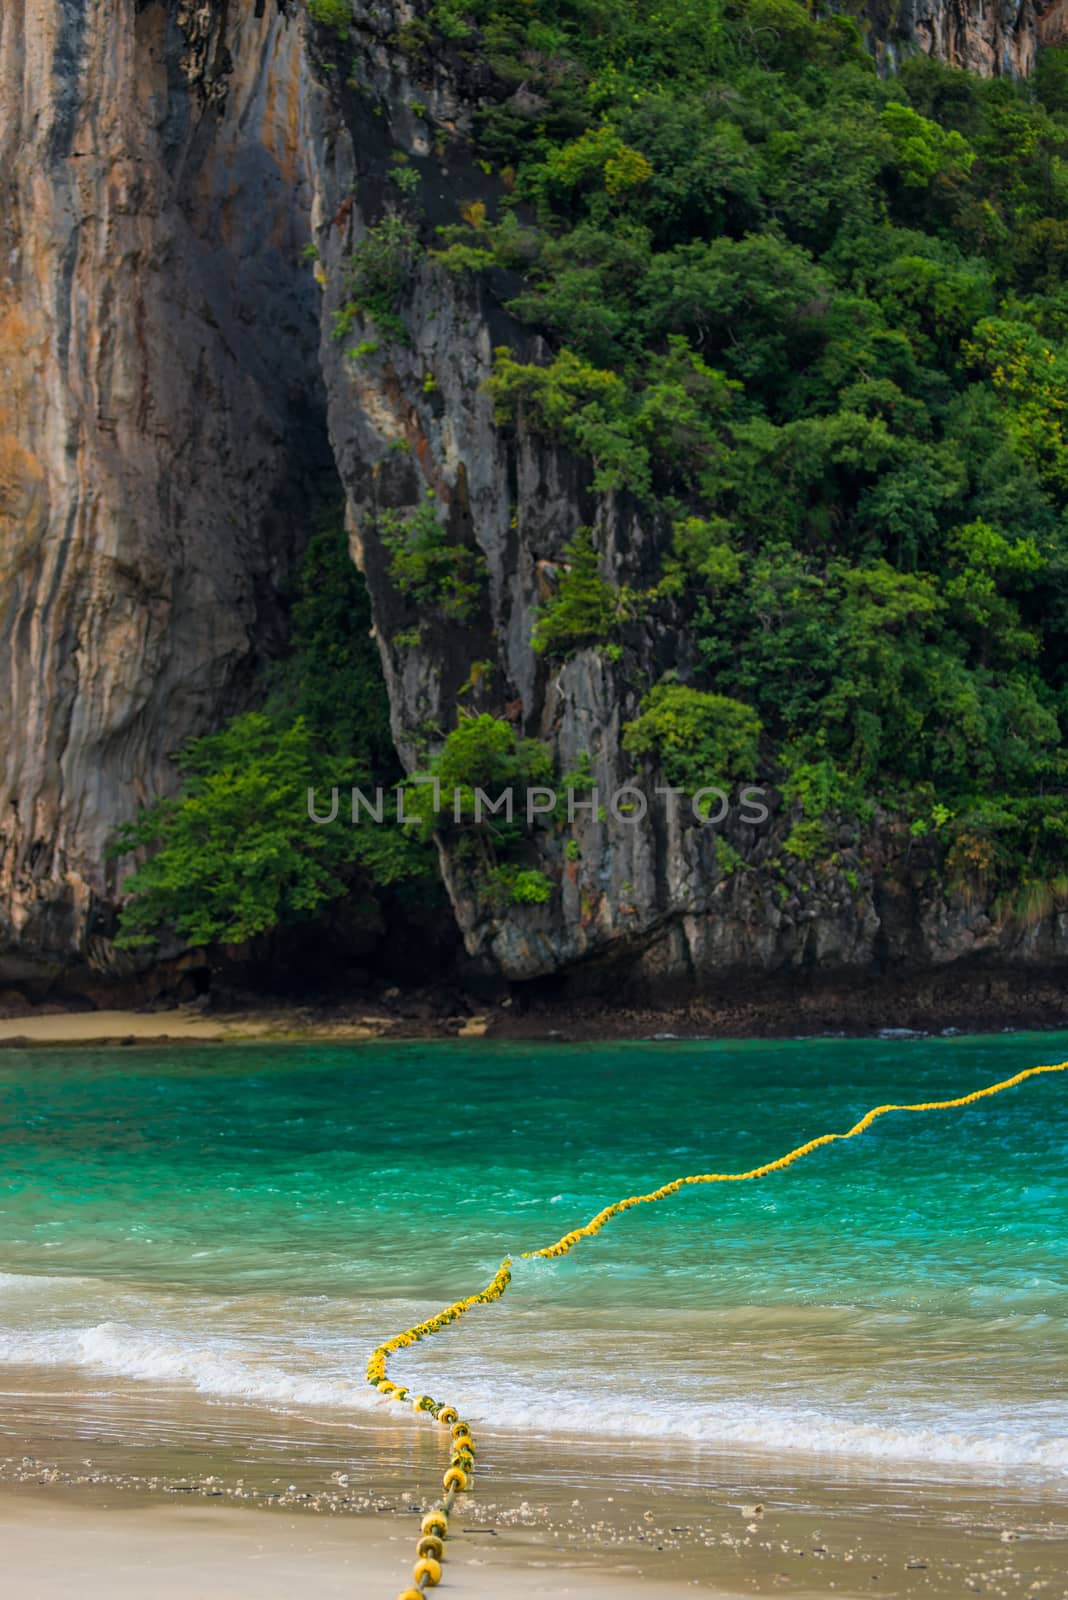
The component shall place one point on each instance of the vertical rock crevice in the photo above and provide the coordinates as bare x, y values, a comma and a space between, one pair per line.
162, 433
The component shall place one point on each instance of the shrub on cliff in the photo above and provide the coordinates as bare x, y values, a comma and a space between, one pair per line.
427, 565
376, 274
585, 609
335, 14
475, 791
481, 753
695, 738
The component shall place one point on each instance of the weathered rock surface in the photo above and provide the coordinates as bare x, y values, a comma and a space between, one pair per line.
168, 370
994, 40
160, 413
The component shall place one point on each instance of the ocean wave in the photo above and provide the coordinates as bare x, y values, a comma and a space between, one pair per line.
226, 1372
951, 1441
23, 1282
986, 1443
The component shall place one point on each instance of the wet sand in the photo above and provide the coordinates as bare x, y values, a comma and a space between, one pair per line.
117, 1490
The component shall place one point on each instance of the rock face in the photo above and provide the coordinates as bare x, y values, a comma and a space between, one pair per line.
1052, 22
161, 413
173, 394
993, 40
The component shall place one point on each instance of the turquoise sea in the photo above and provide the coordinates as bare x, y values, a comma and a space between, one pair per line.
247, 1221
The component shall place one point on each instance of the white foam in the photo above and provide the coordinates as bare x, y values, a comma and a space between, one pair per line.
274, 1355
215, 1369
23, 1282
951, 1440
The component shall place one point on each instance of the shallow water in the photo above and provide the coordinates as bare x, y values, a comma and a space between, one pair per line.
248, 1220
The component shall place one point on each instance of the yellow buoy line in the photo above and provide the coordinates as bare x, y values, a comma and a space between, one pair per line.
430, 1551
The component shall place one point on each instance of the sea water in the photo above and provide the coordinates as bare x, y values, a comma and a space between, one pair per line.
248, 1221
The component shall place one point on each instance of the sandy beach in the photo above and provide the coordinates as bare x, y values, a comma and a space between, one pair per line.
97, 1027
127, 1491
110, 1544
182, 1025
206, 1553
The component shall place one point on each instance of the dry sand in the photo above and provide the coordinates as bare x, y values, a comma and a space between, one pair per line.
180, 1026
53, 1550
84, 1027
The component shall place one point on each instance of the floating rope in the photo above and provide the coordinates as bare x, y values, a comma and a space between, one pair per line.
435, 1525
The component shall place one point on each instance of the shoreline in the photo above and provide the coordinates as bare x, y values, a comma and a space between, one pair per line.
180, 1026
585, 1003
60, 1026
548, 1518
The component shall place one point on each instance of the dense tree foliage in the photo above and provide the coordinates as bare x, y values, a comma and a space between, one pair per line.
235, 853
817, 322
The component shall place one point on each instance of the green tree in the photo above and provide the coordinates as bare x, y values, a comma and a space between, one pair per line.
235, 853
585, 609
813, 322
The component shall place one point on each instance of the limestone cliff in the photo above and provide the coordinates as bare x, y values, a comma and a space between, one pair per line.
161, 412
992, 40
649, 900
172, 396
